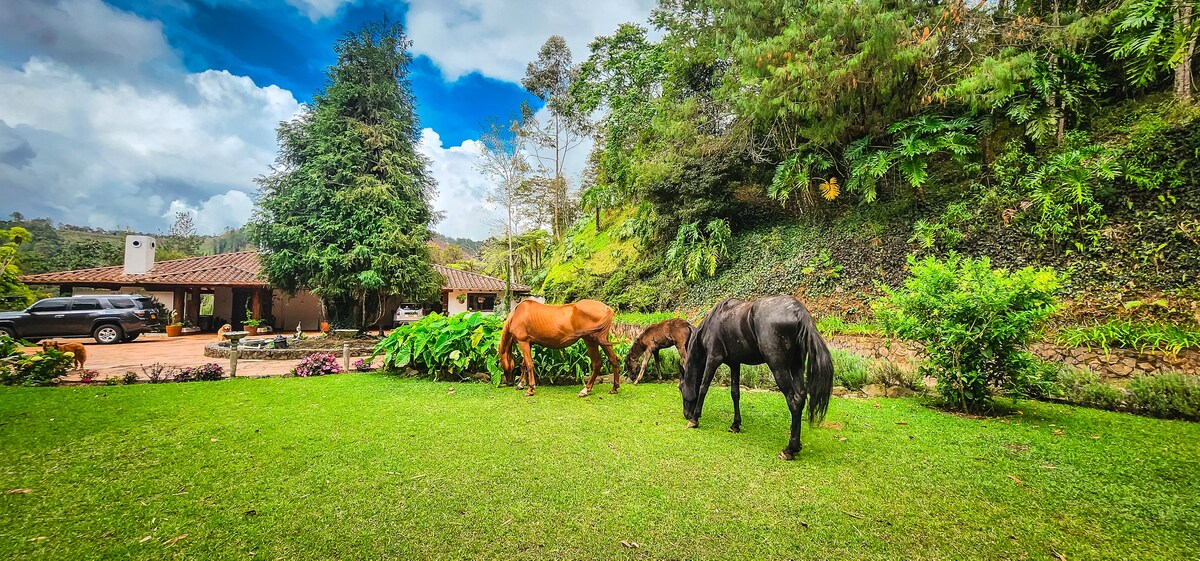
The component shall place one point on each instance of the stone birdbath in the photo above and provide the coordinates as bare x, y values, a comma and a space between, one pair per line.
234, 338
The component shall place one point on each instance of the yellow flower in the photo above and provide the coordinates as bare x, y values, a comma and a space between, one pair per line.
69, 354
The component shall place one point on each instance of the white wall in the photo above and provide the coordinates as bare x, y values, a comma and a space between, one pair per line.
453, 306
304, 308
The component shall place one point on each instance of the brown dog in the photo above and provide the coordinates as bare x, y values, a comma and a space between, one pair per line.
223, 330
76, 348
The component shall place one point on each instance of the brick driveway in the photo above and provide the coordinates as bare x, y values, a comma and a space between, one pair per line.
187, 350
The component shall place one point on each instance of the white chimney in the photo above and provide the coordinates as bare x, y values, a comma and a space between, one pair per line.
139, 254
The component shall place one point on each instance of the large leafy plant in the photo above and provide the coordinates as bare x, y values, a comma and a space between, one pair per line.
973, 321
462, 344
438, 344
695, 251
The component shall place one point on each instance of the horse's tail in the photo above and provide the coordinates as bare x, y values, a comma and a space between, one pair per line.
819, 369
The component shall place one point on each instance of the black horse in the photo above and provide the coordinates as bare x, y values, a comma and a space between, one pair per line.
778, 331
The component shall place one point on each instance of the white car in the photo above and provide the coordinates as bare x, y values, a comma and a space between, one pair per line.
408, 312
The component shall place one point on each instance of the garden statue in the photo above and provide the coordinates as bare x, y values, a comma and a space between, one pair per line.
299, 334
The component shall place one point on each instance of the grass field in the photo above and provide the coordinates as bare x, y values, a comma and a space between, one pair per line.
371, 467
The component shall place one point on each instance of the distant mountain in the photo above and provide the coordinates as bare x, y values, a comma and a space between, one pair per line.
63, 247
471, 247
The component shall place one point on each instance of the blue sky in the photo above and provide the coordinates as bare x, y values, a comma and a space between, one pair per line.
120, 112
275, 43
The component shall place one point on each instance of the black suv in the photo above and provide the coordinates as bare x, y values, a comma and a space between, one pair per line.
109, 318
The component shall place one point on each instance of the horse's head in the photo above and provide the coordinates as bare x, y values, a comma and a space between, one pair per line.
693, 373
631, 359
508, 365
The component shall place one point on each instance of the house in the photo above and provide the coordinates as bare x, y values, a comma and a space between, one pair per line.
228, 284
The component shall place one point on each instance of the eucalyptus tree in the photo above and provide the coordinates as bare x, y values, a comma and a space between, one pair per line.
549, 78
345, 213
503, 162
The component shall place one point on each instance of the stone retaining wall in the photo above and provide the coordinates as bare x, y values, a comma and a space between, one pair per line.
217, 350
1116, 363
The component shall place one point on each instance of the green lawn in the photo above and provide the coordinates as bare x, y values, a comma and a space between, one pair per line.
370, 467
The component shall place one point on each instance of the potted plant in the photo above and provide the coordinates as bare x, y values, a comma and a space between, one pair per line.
251, 324
189, 327
175, 328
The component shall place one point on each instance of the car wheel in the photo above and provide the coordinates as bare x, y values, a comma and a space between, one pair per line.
8, 332
132, 337
108, 334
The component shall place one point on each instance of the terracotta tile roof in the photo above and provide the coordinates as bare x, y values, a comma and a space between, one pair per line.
227, 269
464, 280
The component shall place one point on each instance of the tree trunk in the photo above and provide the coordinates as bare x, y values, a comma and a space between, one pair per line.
508, 274
1183, 72
1054, 98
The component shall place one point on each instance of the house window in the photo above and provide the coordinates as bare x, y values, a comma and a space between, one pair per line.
481, 302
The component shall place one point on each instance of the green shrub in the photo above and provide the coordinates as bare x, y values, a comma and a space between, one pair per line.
890, 374
1170, 396
1039, 379
1099, 395
1081, 386
849, 370
9, 347
972, 320
39, 369
130, 377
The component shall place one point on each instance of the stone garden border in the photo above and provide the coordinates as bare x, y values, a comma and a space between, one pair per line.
221, 350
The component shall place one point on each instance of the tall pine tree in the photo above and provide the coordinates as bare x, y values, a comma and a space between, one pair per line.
346, 212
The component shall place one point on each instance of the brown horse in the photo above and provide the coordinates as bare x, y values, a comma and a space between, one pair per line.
558, 327
673, 332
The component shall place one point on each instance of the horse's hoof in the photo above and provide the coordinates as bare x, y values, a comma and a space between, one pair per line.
692, 424
614, 390
785, 455
583, 392
735, 429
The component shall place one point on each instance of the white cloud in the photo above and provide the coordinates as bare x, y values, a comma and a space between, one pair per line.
497, 39
462, 190
317, 10
111, 148
229, 209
